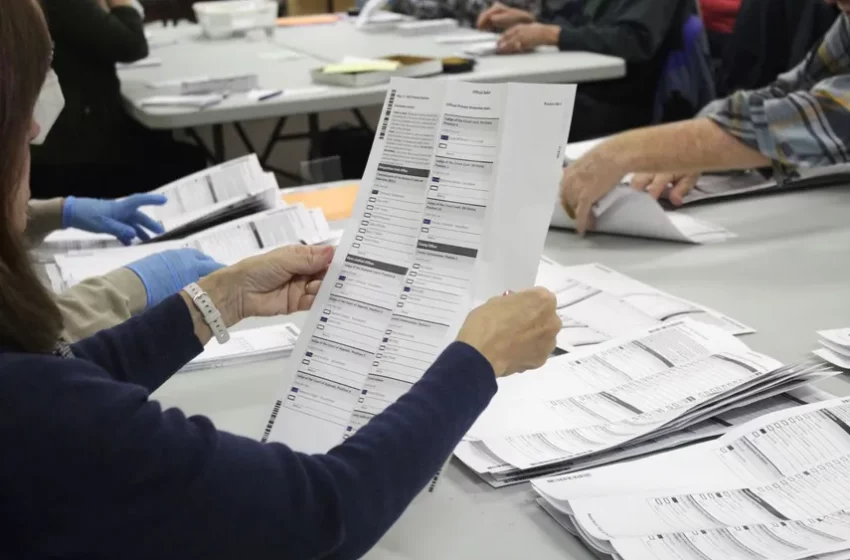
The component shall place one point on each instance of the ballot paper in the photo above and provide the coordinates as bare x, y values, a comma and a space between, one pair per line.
424, 27
714, 186
626, 211
484, 48
776, 487
199, 101
499, 474
596, 303
582, 406
227, 243
203, 199
438, 225
466, 38
247, 346
835, 347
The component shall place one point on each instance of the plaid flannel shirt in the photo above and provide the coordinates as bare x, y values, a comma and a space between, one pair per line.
803, 118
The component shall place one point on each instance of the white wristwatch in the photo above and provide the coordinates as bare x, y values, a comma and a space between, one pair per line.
212, 316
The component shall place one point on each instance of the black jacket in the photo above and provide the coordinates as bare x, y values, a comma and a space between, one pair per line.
643, 32
88, 42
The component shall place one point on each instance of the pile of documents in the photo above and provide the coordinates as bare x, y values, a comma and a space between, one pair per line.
247, 346
835, 347
663, 387
209, 197
227, 243
776, 487
596, 304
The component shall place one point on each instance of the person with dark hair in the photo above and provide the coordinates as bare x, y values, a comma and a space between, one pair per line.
643, 32
108, 474
95, 148
800, 120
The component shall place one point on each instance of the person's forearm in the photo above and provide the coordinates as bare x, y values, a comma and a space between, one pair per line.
690, 146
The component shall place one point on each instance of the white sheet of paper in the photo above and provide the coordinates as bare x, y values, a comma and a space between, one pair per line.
429, 237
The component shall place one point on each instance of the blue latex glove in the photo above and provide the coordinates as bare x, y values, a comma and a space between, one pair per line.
164, 274
120, 218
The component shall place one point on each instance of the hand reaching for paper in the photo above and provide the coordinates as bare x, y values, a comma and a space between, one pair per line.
121, 218
673, 186
515, 332
585, 182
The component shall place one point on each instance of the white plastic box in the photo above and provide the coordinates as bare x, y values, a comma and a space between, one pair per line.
225, 18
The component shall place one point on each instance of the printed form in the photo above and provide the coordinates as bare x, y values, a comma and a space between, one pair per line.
774, 488
596, 303
188, 199
227, 243
626, 391
426, 243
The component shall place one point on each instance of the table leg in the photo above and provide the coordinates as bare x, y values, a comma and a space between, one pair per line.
218, 142
193, 134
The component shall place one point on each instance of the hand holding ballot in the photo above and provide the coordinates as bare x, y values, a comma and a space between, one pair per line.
121, 218
515, 332
585, 182
282, 281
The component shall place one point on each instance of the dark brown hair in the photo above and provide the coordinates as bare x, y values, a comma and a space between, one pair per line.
29, 318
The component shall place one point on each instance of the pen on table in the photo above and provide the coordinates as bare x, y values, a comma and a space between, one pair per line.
270, 94
301, 241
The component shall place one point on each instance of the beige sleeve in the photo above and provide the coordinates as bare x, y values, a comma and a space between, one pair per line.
44, 216
100, 303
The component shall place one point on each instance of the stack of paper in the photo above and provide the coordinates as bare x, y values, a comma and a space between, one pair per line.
595, 406
247, 346
774, 488
227, 243
596, 304
201, 200
625, 211
835, 347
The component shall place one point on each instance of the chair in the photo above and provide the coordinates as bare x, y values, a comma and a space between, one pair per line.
687, 81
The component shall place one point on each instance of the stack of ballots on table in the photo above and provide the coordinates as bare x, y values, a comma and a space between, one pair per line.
776, 487
676, 383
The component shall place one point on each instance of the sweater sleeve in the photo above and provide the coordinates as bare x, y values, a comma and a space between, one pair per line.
45, 216
634, 33
146, 349
114, 36
159, 485
100, 303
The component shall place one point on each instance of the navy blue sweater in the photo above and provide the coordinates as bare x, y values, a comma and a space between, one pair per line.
92, 468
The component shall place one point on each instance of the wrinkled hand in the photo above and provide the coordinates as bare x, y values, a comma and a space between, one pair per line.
499, 17
120, 218
527, 37
656, 185
279, 282
515, 332
164, 274
584, 183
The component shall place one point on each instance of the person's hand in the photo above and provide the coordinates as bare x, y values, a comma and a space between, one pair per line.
656, 185
585, 182
527, 37
120, 218
164, 274
279, 282
515, 332
499, 17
